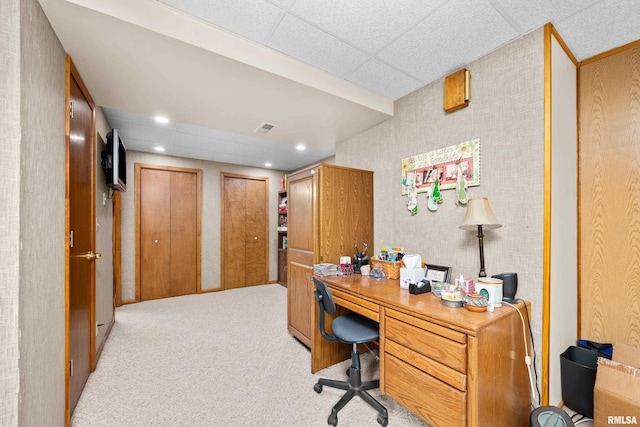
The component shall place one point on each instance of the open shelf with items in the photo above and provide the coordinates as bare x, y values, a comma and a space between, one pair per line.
282, 234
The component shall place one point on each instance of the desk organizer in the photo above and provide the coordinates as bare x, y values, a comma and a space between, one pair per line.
390, 268
414, 289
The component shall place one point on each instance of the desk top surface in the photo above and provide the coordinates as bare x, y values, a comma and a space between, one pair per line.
387, 293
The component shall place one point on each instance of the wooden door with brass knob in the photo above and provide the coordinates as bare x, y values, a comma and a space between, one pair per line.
81, 238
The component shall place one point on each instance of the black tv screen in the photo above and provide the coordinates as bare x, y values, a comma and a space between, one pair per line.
114, 162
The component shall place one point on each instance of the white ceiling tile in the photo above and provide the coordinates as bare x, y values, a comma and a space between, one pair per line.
145, 133
606, 25
531, 14
456, 34
199, 142
202, 131
383, 79
252, 19
388, 47
282, 3
142, 145
369, 25
307, 43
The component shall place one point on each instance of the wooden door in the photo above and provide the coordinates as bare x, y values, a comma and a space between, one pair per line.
168, 208
609, 192
155, 234
81, 216
183, 233
244, 222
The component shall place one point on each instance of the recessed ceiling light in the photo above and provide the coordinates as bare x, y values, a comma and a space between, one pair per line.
300, 147
159, 149
268, 165
161, 119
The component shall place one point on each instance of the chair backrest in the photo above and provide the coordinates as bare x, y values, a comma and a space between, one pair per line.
324, 297
325, 303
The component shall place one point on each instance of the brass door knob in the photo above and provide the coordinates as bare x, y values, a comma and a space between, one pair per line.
91, 255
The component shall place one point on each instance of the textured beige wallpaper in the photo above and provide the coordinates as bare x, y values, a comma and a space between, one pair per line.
506, 114
42, 221
104, 236
10, 202
210, 216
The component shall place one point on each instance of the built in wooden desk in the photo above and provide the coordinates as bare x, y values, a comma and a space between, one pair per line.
450, 366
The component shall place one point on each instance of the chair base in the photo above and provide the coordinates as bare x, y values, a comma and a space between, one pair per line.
354, 387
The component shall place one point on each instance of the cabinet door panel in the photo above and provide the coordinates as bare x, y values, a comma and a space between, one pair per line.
300, 294
300, 214
345, 212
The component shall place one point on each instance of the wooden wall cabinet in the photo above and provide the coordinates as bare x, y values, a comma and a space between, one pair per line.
330, 210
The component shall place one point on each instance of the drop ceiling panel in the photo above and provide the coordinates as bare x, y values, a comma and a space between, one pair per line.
608, 24
457, 33
388, 81
529, 15
321, 71
253, 19
300, 40
370, 25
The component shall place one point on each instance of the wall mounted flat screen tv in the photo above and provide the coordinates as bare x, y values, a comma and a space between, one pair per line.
114, 162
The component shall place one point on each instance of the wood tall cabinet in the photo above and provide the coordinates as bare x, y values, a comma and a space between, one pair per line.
330, 210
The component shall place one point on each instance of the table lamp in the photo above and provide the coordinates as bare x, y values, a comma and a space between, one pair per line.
479, 215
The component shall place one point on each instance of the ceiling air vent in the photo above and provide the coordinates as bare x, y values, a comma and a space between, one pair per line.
264, 128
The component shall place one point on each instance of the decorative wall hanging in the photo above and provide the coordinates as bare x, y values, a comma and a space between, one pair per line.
444, 166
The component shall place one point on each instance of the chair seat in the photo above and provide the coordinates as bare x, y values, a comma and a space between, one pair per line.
355, 329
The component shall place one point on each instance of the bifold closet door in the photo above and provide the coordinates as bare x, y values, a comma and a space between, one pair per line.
245, 245
168, 233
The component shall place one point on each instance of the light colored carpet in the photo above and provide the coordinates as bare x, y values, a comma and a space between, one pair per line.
217, 359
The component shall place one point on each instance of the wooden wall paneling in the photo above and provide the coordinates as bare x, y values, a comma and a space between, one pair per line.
610, 197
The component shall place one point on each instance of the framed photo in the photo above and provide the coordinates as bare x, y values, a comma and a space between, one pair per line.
437, 273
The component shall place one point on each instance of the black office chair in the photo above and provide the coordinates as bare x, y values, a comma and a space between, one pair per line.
351, 329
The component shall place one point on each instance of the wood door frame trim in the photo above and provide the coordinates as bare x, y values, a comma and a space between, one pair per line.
117, 249
224, 175
198, 172
72, 72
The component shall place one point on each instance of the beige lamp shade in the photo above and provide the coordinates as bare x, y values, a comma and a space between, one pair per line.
479, 213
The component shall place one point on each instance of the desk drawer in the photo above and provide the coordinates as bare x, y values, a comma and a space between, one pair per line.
432, 345
429, 398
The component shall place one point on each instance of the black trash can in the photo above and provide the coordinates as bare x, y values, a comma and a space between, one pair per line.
578, 378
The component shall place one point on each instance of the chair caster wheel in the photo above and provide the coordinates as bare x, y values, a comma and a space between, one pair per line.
317, 388
333, 420
383, 421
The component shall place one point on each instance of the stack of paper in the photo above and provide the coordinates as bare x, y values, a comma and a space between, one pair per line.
325, 269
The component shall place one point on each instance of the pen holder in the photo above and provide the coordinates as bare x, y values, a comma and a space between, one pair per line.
416, 290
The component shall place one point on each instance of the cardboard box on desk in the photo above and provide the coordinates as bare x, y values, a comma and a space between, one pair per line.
410, 275
616, 396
